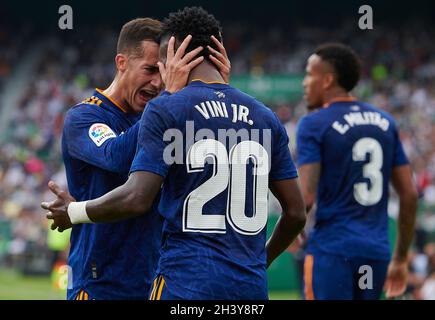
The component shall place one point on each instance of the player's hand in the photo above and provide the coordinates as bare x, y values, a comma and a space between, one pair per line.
220, 59
397, 278
58, 209
298, 244
178, 65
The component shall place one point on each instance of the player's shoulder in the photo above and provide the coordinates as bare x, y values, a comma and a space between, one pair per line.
190, 94
180, 98
161, 110
257, 106
87, 105
164, 101
384, 114
371, 107
254, 101
89, 109
317, 119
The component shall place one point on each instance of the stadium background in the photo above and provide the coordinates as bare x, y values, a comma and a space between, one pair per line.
44, 71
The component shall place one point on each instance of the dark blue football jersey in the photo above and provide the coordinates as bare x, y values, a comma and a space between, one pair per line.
357, 146
113, 260
217, 149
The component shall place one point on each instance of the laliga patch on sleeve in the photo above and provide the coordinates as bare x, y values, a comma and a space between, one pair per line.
100, 132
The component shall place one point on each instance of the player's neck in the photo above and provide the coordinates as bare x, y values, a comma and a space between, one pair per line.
114, 92
335, 94
205, 72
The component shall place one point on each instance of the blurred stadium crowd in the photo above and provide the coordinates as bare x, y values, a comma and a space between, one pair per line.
399, 76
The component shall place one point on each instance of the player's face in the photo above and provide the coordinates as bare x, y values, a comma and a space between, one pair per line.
142, 77
314, 81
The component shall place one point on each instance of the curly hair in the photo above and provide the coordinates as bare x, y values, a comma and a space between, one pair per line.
194, 21
344, 61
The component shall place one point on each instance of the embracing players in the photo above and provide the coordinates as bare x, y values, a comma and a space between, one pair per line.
117, 261
348, 153
217, 151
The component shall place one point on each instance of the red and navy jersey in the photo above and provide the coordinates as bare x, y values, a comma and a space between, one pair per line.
357, 146
113, 260
217, 148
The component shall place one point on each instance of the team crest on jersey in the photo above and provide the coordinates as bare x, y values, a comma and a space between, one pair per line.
100, 132
355, 108
220, 94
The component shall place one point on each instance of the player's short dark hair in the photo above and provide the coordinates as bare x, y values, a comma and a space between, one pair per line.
194, 21
135, 31
344, 61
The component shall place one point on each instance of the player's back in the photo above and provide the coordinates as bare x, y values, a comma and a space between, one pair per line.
214, 198
357, 146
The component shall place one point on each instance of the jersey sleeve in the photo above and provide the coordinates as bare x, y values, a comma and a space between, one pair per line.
151, 143
400, 157
89, 138
282, 165
308, 143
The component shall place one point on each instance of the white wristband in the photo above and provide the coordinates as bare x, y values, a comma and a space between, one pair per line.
77, 212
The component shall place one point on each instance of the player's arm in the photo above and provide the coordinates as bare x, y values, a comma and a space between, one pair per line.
402, 181
397, 274
308, 144
309, 175
284, 184
133, 198
405, 187
292, 220
114, 153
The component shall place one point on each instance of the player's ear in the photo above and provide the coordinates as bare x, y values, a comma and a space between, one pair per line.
121, 62
328, 80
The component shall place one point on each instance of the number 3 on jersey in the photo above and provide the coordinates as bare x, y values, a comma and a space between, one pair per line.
372, 171
228, 170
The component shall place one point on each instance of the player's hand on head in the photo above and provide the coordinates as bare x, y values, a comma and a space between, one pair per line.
175, 71
58, 208
220, 59
397, 278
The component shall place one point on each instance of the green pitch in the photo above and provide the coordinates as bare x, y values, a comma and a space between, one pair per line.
14, 286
